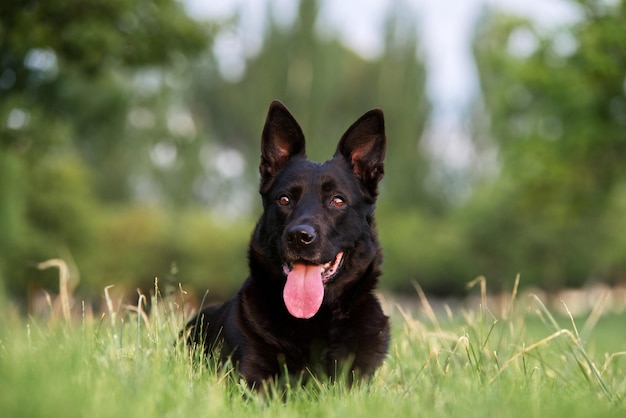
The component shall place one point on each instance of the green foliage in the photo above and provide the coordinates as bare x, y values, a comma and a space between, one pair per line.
556, 118
188, 247
65, 71
57, 218
520, 361
420, 247
68, 65
95, 36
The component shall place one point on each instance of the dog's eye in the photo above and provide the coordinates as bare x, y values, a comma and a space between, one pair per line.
338, 202
284, 200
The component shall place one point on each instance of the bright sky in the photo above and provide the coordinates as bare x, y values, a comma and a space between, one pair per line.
445, 31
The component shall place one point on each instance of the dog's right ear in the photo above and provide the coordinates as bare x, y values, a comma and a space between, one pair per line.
282, 139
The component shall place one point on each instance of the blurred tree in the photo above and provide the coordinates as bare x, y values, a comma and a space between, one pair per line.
66, 85
327, 86
556, 113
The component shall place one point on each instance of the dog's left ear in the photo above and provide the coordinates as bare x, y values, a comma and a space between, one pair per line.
282, 139
363, 147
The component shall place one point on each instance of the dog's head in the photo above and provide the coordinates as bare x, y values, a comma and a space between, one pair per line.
317, 227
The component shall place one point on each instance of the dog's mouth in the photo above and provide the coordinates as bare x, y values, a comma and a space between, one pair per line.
304, 290
327, 270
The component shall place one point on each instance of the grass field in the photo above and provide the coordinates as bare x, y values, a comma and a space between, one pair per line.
516, 360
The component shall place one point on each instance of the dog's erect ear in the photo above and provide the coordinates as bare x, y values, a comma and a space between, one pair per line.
363, 147
282, 139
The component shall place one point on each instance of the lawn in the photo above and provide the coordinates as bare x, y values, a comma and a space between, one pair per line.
513, 359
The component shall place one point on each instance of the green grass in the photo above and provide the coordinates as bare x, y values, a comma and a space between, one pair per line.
464, 362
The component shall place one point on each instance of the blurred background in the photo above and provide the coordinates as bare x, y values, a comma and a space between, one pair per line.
130, 132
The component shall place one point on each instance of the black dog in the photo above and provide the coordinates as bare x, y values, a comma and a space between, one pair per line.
308, 304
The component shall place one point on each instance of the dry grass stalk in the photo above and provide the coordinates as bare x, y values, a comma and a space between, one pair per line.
65, 293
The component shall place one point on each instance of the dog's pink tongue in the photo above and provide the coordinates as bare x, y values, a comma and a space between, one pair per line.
304, 290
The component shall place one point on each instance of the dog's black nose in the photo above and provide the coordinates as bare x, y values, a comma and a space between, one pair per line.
301, 234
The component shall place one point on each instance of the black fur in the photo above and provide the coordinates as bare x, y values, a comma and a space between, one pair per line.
312, 212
